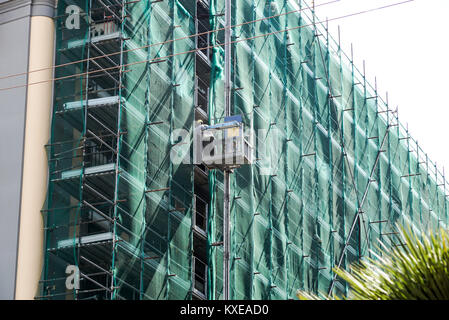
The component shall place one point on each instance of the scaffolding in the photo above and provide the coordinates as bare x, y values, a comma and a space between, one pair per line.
118, 208
334, 169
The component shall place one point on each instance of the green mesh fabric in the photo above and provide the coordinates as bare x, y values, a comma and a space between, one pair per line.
327, 150
334, 170
144, 245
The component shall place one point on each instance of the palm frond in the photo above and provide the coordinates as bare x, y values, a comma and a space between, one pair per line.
417, 270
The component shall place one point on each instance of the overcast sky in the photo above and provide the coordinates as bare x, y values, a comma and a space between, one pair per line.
406, 47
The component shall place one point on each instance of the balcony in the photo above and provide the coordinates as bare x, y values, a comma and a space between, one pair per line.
202, 29
199, 278
99, 32
200, 211
201, 98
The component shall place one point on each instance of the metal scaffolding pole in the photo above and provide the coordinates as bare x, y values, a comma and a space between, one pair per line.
227, 177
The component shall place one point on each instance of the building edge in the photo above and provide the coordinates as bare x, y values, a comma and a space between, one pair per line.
37, 134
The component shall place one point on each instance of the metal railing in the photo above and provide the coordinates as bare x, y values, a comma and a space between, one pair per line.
99, 154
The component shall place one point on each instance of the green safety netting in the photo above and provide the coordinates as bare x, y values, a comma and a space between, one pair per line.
117, 206
322, 153
327, 151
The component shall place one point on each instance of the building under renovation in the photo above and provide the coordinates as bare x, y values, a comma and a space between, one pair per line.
131, 209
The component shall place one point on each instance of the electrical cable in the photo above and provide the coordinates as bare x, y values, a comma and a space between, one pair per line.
159, 59
160, 43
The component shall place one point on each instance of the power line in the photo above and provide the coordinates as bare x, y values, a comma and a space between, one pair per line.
162, 43
160, 59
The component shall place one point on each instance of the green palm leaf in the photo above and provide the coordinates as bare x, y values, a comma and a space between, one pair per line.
417, 270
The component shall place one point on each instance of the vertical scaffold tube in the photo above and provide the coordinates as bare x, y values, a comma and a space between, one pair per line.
227, 177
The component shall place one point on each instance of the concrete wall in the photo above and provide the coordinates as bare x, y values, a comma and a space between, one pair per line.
15, 24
